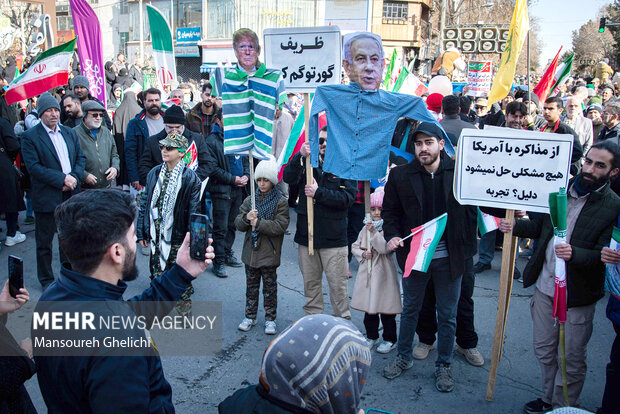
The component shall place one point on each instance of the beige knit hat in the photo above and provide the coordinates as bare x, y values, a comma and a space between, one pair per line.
267, 169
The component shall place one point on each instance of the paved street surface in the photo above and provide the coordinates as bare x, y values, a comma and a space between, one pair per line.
200, 383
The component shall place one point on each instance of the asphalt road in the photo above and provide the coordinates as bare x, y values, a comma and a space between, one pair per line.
200, 383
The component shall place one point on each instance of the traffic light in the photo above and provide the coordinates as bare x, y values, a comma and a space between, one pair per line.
601, 26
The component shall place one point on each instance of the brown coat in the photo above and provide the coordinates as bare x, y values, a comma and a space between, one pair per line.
379, 293
267, 254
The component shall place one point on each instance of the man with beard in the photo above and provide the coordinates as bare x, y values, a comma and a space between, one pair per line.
99, 148
574, 118
591, 214
202, 116
611, 122
593, 113
73, 109
148, 122
96, 230
416, 193
81, 89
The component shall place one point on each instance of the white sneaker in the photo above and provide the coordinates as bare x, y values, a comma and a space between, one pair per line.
270, 327
421, 350
246, 324
12, 241
371, 342
386, 347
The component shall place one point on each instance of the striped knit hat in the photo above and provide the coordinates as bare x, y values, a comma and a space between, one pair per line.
320, 364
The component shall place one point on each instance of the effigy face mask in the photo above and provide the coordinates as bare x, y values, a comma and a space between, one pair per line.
366, 65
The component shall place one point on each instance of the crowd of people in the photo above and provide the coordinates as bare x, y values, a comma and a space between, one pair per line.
76, 166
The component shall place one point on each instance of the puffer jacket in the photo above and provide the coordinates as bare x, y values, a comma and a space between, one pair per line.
269, 249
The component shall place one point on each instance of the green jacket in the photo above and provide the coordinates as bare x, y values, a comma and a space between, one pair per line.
100, 154
269, 249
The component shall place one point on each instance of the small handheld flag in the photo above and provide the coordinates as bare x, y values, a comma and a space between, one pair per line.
424, 241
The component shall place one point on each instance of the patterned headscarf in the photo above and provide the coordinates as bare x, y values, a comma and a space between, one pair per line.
320, 363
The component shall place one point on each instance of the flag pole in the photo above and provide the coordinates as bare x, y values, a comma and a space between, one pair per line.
368, 220
309, 177
252, 189
509, 253
529, 87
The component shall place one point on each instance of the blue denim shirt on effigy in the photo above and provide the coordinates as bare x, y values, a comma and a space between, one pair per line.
360, 128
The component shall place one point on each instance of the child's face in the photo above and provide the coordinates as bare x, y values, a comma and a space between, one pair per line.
375, 213
264, 185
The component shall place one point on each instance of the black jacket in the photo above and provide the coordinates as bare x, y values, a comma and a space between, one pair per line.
11, 197
109, 383
220, 179
151, 156
607, 133
188, 202
46, 174
403, 210
585, 272
331, 205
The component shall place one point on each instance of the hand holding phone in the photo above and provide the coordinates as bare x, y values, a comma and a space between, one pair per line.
16, 275
199, 236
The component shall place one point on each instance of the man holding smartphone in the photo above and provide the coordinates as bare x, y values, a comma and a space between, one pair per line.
96, 232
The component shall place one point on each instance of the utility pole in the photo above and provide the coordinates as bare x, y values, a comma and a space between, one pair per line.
442, 23
141, 14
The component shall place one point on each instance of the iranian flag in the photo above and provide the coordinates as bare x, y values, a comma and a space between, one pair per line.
487, 222
558, 211
562, 74
51, 69
543, 87
172, 101
163, 51
191, 157
424, 241
295, 139
409, 84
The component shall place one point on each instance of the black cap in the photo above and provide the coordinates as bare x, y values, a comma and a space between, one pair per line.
430, 129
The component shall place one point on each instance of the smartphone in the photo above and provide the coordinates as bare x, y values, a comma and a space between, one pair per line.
16, 275
199, 236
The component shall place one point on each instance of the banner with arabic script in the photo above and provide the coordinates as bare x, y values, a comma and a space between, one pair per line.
90, 50
479, 77
307, 56
511, 168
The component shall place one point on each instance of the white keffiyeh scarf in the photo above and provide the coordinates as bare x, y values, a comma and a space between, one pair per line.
166, 214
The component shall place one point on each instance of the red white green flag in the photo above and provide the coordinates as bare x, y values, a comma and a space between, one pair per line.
51, 69
543, 87
295, 139
424, 241
487, 222
191, 157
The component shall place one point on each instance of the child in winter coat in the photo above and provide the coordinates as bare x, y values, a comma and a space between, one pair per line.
264, 232
378, 293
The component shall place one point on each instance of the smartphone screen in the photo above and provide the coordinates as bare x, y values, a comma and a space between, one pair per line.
16, 275
198, 236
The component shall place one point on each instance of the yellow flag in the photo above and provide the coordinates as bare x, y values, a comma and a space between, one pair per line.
519, 26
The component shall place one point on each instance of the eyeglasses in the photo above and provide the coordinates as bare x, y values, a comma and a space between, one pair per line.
97, 114
322, 141
168, 148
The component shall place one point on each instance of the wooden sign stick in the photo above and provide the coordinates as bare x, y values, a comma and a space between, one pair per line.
309, 177
252, 189
367, 208
509, 252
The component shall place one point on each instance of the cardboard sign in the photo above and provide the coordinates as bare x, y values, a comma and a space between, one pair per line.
479, 78
307, 56
511, 169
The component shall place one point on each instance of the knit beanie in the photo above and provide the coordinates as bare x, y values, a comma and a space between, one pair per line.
376, 198
46, 101
267, 169
174, 115
81, 81
433, 102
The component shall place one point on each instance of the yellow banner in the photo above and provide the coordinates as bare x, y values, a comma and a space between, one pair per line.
519, 26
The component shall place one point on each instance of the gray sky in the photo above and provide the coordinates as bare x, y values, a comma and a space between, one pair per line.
558, 19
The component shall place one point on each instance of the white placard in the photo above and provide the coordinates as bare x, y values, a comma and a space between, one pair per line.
511, 169
307, 56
